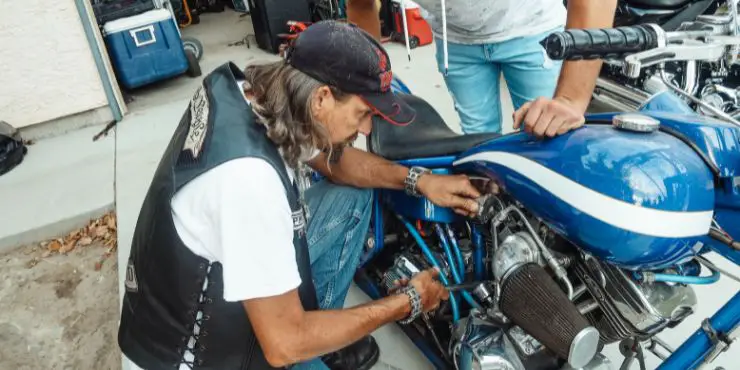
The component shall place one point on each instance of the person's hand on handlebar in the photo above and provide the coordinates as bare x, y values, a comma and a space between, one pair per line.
548, 117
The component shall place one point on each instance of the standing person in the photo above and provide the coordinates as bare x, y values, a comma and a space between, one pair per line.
487, 38
224, 271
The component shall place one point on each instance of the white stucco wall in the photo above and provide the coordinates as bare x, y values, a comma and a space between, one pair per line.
47, 70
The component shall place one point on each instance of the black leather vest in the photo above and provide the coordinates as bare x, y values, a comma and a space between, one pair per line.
165, 282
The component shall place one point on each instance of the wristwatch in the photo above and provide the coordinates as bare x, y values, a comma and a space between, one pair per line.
415, 300
412, 178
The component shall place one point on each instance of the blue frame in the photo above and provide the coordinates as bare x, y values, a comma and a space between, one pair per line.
668, 109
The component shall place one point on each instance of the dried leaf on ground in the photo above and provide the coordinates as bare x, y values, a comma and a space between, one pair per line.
102, 230
111, 222
54, 245
68, 247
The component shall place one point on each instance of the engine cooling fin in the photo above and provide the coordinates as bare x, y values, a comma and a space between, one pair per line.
612, 327
534, 302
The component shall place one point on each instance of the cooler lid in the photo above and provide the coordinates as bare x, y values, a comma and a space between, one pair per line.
139, 20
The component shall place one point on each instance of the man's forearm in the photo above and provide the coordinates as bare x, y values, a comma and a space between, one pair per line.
362, 170
325, 331
328, 331
364, 13
578, 78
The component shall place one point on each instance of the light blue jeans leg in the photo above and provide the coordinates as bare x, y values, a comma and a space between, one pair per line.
473, 82
337, 229
528, 71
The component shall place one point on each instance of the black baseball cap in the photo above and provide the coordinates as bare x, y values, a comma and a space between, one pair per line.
346, 57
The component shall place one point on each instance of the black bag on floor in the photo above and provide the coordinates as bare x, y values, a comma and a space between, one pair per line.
12, 148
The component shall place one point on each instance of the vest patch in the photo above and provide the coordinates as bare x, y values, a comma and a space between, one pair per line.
131, 283
199, 109
299, 222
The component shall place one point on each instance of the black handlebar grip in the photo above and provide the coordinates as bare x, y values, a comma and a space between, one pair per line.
600, 43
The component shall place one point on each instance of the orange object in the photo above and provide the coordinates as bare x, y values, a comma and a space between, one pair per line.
187, 13
420, 33
420, 228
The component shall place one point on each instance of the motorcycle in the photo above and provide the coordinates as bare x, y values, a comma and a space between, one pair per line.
594, 237
709, 85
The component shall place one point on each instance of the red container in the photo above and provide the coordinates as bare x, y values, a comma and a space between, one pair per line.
420, 33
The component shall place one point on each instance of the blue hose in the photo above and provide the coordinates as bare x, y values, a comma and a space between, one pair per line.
455, 274
478, 252
433, 261
681, 279
450, 261
456, 248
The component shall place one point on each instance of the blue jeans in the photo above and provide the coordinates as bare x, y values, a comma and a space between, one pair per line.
337, 229
474, 73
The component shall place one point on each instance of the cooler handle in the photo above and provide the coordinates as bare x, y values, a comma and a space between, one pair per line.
135, 35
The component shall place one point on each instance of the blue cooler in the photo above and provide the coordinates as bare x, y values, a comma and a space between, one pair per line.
145, 48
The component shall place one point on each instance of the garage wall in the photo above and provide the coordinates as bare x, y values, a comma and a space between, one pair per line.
47, 70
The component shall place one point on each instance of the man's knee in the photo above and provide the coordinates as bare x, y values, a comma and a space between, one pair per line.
327, 194
360, 198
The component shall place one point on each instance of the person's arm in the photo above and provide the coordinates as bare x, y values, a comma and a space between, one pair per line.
361, 169
288, 334
565, 111
578, 78
364, 13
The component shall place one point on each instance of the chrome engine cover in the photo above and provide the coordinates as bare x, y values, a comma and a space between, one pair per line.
516, 250
482, 345
631, 309
404, 267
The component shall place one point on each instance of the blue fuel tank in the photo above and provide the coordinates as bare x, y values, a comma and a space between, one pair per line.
640, 200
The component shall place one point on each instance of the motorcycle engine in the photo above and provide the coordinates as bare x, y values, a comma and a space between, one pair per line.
549, 304
628, 308
610, 298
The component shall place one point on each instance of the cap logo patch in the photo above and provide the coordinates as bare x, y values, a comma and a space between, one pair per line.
385, 76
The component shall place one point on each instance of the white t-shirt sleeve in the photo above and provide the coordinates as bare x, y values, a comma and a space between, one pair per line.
250, 228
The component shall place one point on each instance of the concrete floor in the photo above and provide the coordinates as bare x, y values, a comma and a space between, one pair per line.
69, 178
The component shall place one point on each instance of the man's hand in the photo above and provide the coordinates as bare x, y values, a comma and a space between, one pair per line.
454, 192
548, 117
431, 291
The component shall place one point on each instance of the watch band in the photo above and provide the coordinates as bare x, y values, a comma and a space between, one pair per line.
412, 178
415, 301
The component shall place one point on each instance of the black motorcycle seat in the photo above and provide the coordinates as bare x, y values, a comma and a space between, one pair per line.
658, 4
426, 136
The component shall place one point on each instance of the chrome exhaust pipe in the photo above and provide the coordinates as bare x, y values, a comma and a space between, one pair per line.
618, 97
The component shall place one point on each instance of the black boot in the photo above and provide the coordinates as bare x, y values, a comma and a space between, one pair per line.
361, 355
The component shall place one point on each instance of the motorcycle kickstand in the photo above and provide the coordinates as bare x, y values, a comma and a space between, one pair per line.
631, 350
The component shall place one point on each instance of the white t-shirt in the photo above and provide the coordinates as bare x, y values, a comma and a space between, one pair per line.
238, 214
487, 21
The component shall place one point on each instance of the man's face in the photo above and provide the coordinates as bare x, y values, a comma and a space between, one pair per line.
343, 119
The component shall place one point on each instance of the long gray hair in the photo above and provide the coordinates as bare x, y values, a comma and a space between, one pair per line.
282, 97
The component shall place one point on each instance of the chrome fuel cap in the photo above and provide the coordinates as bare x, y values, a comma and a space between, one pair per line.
635, 122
